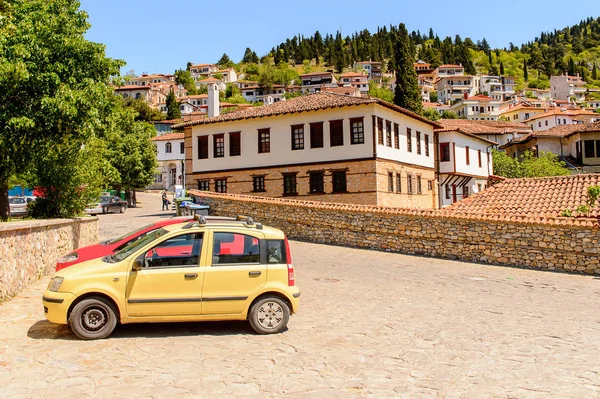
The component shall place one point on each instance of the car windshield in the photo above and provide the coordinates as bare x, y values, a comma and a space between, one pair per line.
105, 198
134, 246
130, 234
17, 200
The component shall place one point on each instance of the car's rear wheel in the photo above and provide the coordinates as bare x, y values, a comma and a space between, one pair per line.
105, 210
123, 207
269, 315
93, 318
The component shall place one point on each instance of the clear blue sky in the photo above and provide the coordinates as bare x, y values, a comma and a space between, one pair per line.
161, 36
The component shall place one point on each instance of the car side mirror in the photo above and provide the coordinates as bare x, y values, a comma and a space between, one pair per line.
138, 264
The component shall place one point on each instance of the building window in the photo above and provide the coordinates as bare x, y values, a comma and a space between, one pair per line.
168, 148
388, 133
316, 135
396, 136
408, 140
219, 145
426, 145
264, 140
409, 186
297, 137
158, 177
588, 148
467, 155
465, 191
447, 191
203, 185
235, 144
558, 121
202, 147
390, 182
289, 184
429, 185
419, 185
339, 181
546, 123
380, 131
479, 157
316, 182
444, 152
258, 184
181, 147
398, 183
336, 133
357, 129
418, 139
221, 185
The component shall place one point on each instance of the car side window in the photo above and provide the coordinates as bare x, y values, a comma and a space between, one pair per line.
276, 251
235, 248
179, 251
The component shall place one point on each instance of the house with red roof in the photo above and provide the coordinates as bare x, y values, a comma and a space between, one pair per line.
170, 154
477, 107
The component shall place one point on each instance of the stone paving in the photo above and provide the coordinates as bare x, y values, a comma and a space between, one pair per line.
371, 325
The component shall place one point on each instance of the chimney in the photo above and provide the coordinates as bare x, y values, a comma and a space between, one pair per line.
213, 100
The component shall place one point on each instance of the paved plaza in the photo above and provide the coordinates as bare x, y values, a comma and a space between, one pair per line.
371, 325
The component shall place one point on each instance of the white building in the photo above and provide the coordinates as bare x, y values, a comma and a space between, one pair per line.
478, 107
170, 154
561, 116
500, 132
202, 71
373, 69
455, 88
448, 70
566, 88
314, 81
257, 93
354, 79
465, 164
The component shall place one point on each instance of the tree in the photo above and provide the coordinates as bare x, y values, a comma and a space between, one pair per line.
594, 72
143, 111
53, 83
380, 92
184, 77
407, 92
173, 111
525, 74
571, 70
528, 165
225, 61
250, 57
501, 68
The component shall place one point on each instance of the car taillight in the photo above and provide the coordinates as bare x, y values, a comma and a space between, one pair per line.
290, 266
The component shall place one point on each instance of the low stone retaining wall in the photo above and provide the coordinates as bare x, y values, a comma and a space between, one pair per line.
564, 244
29, 249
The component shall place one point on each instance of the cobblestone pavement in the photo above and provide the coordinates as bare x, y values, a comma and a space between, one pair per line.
371, 325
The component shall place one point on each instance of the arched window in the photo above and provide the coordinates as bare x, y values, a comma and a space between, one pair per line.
168, 148
125, 95
138, 96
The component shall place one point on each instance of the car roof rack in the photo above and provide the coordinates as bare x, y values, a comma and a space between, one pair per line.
200, 220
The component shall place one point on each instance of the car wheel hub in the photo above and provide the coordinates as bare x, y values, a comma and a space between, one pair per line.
270, 315
93, 319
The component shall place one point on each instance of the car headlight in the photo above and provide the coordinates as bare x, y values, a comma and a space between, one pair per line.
55, 284
73, 256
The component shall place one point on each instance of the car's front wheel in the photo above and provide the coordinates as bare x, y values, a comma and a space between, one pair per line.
269, 315
123, 207
105, 210
93, 318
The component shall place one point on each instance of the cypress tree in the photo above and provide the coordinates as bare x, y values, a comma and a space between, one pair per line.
501, 68
571, 70
407, 92
525, 74
594, 72
173, 111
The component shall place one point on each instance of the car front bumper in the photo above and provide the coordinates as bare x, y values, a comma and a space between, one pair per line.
56, 306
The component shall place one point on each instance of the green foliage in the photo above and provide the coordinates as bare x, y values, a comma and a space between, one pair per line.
528, 165
184, 77
53, 84
433, 97
407, 93
144, 112
250, 57
381, 92
225, 61
173, 111
252, 72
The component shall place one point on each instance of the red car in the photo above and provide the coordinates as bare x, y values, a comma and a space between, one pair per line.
109, 247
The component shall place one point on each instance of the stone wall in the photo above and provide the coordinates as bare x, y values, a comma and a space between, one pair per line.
30, 249
564, 244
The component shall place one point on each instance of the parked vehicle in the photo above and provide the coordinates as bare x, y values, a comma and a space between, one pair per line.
196, 271
94, 208
17, 206
112, 203
109, 247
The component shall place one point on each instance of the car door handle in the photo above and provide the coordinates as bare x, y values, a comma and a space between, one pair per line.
254, 274
191, 275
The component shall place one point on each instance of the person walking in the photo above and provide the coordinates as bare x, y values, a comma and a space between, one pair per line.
165, 201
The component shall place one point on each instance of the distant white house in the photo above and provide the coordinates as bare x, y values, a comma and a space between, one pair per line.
170, 154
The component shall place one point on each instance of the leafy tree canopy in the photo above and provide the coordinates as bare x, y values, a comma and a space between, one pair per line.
528, 165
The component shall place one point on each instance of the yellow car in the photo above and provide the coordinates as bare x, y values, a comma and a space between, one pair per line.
208, 269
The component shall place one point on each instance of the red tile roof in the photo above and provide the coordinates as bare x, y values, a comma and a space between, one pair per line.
539, 196
560, 112
484, 127
558, 131
352, 74
169, 137
132, 87
450, 66
309, 102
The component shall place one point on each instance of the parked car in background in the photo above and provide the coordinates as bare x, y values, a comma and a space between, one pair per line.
112, 203
17, 206
201, 270
111, 246
30, 198
94, 208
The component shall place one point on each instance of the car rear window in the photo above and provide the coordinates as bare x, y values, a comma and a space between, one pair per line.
17, 200
276, 251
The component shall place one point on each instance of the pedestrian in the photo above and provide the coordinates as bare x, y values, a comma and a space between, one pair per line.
165, 201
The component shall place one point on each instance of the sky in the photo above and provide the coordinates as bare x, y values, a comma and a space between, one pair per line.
161, 36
